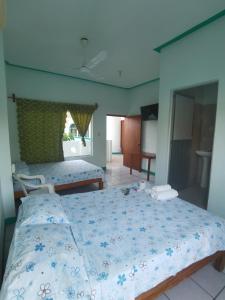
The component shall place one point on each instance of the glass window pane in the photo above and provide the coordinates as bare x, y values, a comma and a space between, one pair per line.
72, 143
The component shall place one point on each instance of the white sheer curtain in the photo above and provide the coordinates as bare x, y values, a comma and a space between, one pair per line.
2, 13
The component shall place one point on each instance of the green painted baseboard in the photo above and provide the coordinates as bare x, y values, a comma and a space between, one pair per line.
145, 171
9, 221
116, 153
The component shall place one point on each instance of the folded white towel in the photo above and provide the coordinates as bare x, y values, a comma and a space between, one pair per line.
165, 195
148, 191
161, 188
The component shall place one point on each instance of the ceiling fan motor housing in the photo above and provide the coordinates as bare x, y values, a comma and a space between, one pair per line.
84, 41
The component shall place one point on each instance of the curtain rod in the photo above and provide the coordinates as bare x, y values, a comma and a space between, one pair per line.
13, 98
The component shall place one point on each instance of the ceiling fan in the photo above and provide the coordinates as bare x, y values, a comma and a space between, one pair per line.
87, 67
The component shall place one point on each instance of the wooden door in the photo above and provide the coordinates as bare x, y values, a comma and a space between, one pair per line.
121, 136
132, 142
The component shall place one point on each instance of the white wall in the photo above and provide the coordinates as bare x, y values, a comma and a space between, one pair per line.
38, 85
5, 159
145, 95
114, 132
197, 59
2, 223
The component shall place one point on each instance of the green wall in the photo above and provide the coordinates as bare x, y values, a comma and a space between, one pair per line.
199, 58
2, 227
140, 96
37, 85
5, 159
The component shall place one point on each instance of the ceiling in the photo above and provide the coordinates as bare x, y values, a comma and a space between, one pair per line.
45, 34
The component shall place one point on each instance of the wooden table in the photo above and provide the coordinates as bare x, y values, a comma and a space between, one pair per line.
149, 157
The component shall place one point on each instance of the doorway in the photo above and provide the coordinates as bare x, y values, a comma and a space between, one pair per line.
114, 147
123, 141
194, 115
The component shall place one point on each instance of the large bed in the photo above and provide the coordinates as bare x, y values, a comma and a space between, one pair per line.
112, 244
63, 175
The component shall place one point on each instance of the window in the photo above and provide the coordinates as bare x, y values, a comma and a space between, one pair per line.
72, 143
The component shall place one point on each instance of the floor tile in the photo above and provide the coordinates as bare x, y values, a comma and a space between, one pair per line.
210, 280
187, 290
221, 296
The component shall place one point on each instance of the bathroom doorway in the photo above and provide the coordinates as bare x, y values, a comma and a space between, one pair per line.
194, 115
114, 145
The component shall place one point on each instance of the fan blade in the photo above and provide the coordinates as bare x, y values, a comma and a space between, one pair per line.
101, 56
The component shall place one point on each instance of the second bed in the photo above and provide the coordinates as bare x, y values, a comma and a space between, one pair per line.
63, 175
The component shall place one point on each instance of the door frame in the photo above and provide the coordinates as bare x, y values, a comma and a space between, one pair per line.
172, 127
115, 115
124, 116
173, 93
140, 145
119, 116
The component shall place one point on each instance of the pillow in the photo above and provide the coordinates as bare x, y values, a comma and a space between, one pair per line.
44, 263
42, 209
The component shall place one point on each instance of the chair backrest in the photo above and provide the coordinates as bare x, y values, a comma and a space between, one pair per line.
28, 186
21, 182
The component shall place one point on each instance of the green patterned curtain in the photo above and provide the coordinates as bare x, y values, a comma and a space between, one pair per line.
82, 115
41, 126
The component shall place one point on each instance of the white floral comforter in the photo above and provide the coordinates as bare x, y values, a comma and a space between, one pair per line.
119, 247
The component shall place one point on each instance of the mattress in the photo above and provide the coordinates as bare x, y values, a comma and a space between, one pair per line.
127, 244
59, 173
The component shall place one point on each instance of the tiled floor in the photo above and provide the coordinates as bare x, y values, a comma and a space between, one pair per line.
206, 284
117, 174
195, 195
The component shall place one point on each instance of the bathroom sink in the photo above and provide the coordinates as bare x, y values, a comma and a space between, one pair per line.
204, 153
205, 156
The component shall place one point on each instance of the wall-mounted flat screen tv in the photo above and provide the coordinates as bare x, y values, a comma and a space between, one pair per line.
150, 112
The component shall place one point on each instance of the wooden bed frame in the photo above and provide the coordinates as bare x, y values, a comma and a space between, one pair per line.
219, 264
68, 186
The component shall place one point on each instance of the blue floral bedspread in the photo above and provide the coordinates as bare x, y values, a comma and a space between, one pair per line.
62, 172
120, 246
43, 263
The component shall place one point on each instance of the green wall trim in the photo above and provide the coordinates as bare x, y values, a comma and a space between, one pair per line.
145, 83
191, 30
61, 74
76, 77
145, 171
116, 153
9, 221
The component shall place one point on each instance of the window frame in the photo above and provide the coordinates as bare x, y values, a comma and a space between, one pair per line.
90, 138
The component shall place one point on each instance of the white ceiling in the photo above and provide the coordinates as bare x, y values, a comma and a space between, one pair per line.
45, 34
